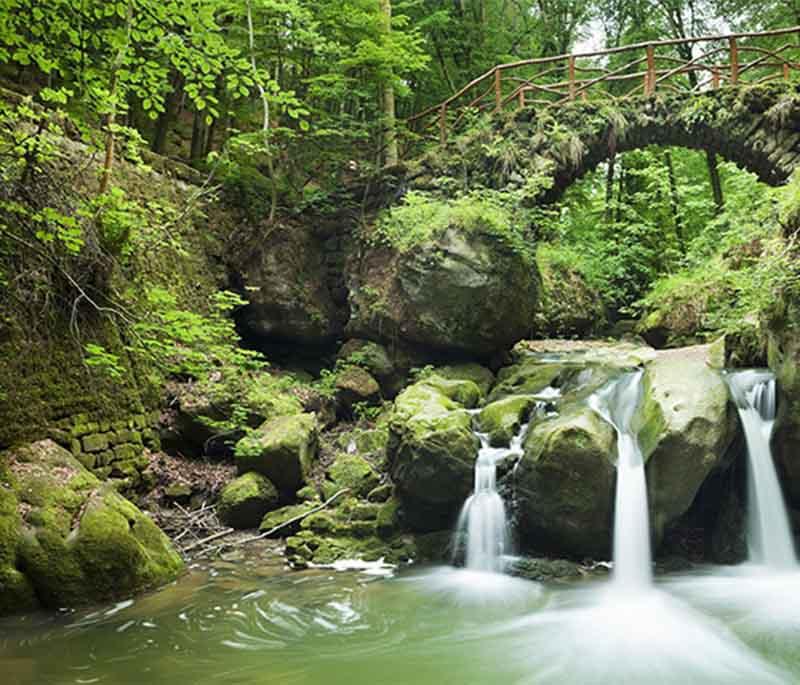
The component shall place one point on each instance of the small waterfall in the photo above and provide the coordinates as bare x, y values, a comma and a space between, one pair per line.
483, 524
769, 534
617, 404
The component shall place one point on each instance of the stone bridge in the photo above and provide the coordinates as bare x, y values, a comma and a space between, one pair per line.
756, 127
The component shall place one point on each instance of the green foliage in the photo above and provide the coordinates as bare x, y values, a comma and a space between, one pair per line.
97, 357
422, 218
733, 275
184, 342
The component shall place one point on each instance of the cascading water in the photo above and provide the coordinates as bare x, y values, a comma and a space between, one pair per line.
483, 524
617, 404
769, 534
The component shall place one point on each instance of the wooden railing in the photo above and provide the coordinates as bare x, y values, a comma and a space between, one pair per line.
679, 65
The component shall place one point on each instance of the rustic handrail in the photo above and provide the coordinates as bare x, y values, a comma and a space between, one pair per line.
563, 79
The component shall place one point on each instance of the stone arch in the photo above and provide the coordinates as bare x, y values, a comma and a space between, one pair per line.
757, 128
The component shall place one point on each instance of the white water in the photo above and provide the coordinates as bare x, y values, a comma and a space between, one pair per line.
617, 404
769, 534
483, 522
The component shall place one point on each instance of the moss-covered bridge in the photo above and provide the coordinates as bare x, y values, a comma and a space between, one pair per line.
736, 96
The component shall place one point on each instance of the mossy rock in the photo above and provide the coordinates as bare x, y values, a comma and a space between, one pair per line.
354, 385
468, 371
17, 593
431, 452
245, 501
81, 541
282, 449
281, 516
309, 546
503, 419
463, 391
374, 357
353, 472
565, 484
449, 293
687, 423
527, 377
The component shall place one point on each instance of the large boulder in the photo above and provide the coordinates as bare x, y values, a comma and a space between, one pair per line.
564, 484
67, 539
285, 283
461, 292
282, 449
245, 501
432, 450
688, 424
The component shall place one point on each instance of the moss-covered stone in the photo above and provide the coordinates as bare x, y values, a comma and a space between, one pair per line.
431, 451
281, 516
244, 502
450, 292
468, 371
527, 377
565, 484
463, 391
353, 472
282, 449
687, 425
354, 385
503, 419
79, 540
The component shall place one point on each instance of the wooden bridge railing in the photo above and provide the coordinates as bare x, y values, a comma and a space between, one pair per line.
678, 65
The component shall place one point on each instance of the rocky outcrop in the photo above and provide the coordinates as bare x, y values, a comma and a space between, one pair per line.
564, 484
282, 449
688, 425
285, 282
432, 449
462, 293
67, 539
245, 501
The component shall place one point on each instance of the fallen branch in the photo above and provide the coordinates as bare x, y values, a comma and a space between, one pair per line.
210, 538
274, 530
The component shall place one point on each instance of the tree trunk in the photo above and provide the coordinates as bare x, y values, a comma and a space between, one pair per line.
165, 118
716, 181
392, 155
111, 119
198, 137
612, 162
674, 199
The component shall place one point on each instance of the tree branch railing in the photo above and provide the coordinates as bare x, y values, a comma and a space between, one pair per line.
621, 73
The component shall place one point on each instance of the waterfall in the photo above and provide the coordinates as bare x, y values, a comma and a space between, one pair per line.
769, 534
617, 404
483, 523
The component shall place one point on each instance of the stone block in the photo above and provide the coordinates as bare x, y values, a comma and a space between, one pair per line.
95, 443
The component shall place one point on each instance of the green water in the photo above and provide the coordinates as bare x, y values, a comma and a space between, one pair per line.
250, 621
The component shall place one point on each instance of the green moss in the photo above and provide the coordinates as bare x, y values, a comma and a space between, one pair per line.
527, 377
282, 449
480, 375
81, 541
353, 472
463, 391
244, 502
502, 419
280, 516
422, 218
